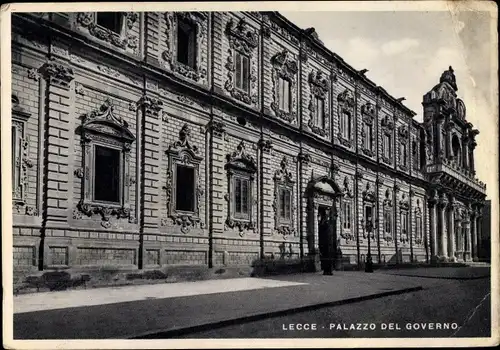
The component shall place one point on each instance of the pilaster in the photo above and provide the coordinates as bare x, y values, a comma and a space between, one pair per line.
451, 228
443, 249
431, 202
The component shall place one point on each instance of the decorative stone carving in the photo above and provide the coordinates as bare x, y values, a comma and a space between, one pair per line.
283, 180
286, 68
265, 145
123, 40
241, 164
244, 40
57, 73
368, 113
304, 158
152, 106
346, 104
200, 21
347, 190
218, 128
103, 126
182, 152
319, 87
368, 194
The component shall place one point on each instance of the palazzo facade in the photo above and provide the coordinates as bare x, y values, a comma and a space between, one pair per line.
148, 139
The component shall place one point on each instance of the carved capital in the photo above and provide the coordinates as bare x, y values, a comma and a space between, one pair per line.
152, 106
265, 145
57, 74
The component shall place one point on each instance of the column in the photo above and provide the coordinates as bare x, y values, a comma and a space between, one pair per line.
443, 250
451, 229
432, 226
468, 247
459, 236
473, 228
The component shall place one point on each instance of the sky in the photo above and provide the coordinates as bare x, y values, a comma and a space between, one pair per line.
405, 52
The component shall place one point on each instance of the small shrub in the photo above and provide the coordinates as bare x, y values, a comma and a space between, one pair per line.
154, 275
220, 271
57, 280
133, 276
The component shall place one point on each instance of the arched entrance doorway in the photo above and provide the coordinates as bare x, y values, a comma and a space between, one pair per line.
322, 194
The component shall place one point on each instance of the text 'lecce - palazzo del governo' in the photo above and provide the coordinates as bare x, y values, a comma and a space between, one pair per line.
210, 139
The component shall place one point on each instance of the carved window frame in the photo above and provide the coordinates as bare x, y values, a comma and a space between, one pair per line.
123, 40
286, 68
419, 230
387, 205
346, 104
415, 153
403, 134
404, 210
240, 165
319, 88
182, 152
368, 113
369, 201
283, 181
200, 21
20, 155
102, 127
387, 130
347, 199
245, 41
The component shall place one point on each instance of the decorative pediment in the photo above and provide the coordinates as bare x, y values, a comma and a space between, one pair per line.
388, 199
243, 38
461, 111
286, 65
104, 121
418, 210
387, 123
347, 188
368, 110
403, 133
448, 76
17, 110
404, 203
318, 83
241, 160
368, 194
184, 144
282, 174
346, 99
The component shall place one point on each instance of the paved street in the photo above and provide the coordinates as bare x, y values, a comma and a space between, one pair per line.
265, 307
448, 302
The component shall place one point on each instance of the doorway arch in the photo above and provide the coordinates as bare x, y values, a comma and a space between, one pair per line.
322, 194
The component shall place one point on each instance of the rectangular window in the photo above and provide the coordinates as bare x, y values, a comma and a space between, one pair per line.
242, 73
284, 94
403, 154
368, 136
387, 145
319, 116
186, 43
346, 215
185, 189
418, 227
241, 198
16, 160
345, 125
404, 222
387, 221
110, 20
107, 166
285, 204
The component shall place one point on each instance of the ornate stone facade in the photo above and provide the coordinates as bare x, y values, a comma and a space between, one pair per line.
233, 156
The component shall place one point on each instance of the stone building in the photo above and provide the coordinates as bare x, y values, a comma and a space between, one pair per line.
217, 139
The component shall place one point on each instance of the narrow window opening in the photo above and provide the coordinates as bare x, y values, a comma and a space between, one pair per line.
186, 43
107, 174
185, 193
110, 20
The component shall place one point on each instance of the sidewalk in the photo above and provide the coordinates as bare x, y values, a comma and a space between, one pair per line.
167, 310
455, 273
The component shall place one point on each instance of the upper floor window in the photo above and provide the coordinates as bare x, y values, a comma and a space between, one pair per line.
319, 112
345, 125
368, 138
242, 75
388, 222
186, 42
284, 95
110, 20
414, 155
387, 145
404, 222
403, 155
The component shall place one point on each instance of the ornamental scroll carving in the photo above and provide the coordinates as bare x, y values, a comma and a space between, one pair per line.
286, 68
183, 152
368, 114
102, 126
283, 181
199, 20
241, 165
243, 39
319, 87
124, 39
346, 104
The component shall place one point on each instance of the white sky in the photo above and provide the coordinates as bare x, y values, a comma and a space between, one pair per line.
406, 52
